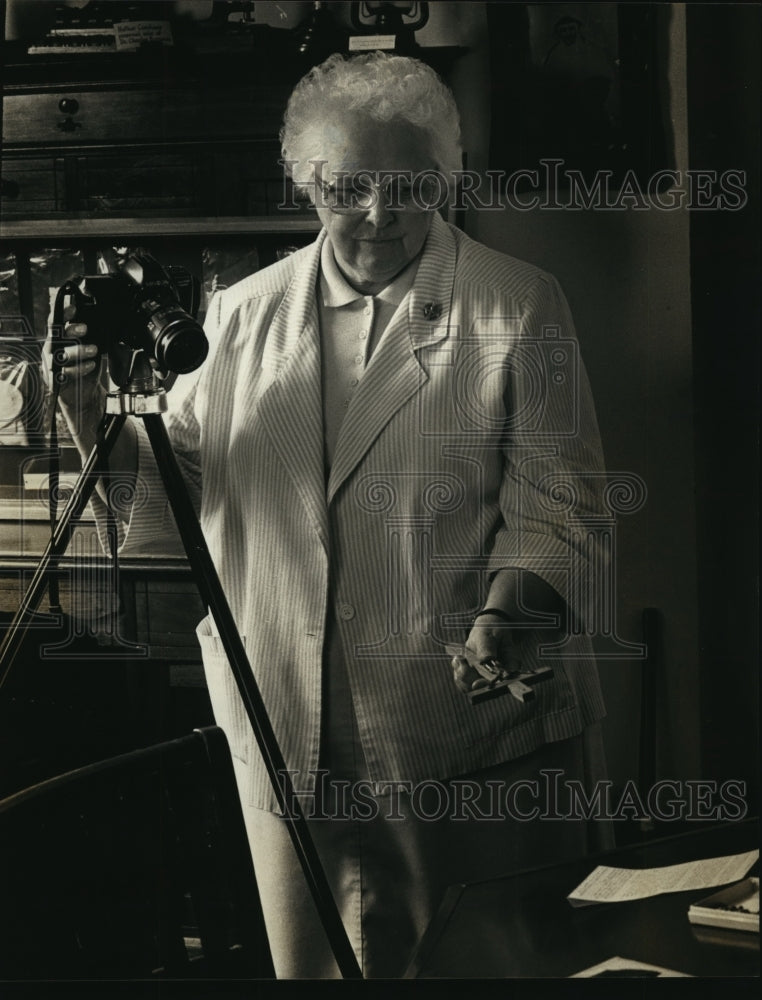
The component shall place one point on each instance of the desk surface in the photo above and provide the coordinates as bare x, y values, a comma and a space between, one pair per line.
522, 926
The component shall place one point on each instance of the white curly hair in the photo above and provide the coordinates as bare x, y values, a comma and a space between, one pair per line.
383, 86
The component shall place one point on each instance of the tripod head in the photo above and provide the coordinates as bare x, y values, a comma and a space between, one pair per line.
140, 390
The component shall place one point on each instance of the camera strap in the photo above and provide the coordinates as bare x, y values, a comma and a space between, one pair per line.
54, 462
54, 458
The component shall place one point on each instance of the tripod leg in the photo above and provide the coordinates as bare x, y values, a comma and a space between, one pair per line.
212, 593
56, 547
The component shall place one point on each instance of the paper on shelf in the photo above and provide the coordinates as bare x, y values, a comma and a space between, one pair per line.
617, 885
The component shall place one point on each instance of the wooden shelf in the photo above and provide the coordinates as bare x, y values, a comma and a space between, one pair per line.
160, 565
85, 227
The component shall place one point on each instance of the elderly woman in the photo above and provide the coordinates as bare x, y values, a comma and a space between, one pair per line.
380, 443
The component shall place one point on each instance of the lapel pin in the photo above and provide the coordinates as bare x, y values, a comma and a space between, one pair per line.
432, 311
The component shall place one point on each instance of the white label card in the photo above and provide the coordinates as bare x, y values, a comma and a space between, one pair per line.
363, 43
131, 35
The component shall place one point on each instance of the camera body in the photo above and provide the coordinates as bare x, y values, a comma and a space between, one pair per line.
143, 306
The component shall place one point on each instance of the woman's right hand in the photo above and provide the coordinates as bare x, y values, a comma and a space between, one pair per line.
76, 368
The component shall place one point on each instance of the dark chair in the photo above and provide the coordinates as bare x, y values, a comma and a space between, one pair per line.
137, 867
66, 701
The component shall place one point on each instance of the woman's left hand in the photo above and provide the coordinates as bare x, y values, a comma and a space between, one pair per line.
492, 639
495, 642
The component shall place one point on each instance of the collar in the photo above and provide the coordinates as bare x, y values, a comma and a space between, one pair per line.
335, 290
428, 302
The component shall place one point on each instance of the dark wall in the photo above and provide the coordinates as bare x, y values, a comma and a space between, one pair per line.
627, 277
724, 134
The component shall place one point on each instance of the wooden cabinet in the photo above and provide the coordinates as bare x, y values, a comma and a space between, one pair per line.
144, 163
167, 135
67, 116
143, 151
141, 181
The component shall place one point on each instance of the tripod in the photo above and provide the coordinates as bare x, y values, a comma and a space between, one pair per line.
149, 403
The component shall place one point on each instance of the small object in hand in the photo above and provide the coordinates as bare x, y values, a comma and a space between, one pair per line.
499, 680
514, 686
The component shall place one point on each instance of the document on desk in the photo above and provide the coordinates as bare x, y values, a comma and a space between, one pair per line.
627, 968
618, 885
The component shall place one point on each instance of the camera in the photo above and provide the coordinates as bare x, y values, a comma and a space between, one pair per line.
139, 305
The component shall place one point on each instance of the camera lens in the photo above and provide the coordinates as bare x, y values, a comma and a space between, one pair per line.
180, 344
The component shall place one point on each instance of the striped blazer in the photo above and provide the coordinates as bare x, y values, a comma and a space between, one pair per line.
470, 445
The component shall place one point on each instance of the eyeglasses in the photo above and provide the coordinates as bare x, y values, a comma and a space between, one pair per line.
402, 192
